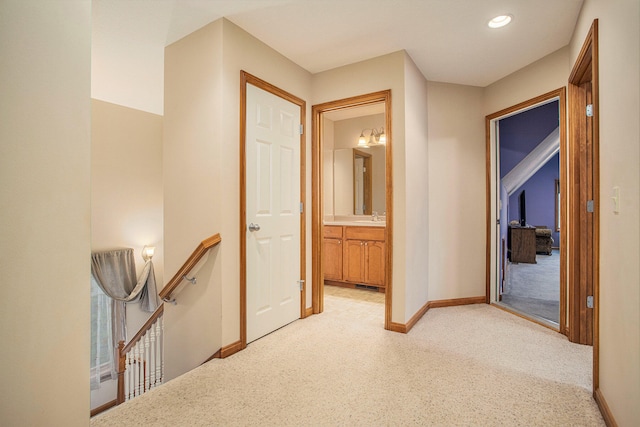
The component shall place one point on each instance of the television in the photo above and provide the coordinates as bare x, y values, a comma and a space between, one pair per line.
523, 209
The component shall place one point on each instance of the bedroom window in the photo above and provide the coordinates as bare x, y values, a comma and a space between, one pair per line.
102, 352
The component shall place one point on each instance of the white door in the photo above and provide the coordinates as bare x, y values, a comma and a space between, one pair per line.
273, 212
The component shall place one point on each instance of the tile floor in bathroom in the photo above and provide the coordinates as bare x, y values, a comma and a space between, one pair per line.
354, 304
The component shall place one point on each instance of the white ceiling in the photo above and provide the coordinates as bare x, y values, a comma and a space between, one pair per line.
447, 39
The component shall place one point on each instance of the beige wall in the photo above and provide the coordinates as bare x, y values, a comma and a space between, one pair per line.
457, 191
201, 157
126, 195
192, 194
546, 74
619, 300
126, 181
382, 73
45, 208
242, 51
418, 197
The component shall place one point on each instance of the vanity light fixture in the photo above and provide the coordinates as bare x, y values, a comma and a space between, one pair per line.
377, 137
500, 21
148, 252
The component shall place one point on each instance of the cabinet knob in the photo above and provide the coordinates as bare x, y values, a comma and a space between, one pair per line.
339, 242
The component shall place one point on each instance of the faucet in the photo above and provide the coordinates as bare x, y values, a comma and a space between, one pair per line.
374, 216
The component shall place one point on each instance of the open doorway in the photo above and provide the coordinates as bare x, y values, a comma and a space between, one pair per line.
352, 227
526, 172
529, 173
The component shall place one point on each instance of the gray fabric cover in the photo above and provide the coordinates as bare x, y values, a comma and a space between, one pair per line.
115, 272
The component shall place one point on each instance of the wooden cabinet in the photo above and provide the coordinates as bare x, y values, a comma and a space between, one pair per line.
332, 252
353, 261
374, 263
363, 255
522, 244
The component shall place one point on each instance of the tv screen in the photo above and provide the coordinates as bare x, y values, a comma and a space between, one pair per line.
523, 209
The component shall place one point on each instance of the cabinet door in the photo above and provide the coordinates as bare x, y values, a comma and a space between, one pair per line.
374, 263
332, 254
353, 261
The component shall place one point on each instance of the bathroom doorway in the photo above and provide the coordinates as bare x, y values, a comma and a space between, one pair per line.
335, 197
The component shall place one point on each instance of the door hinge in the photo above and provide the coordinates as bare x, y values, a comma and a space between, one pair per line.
301, 207
301, 283
301, 129
589, 110
590, 301
590, 206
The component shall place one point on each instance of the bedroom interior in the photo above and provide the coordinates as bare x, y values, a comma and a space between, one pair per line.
529, 169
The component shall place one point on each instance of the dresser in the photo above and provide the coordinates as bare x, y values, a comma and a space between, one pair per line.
521, 244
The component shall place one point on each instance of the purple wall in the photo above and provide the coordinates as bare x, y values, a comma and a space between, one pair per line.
540, 192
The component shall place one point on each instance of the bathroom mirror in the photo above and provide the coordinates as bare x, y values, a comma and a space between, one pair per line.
354, 172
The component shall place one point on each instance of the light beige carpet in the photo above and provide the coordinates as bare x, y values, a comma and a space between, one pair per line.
462, 366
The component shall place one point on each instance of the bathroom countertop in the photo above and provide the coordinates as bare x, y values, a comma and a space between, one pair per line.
357, 223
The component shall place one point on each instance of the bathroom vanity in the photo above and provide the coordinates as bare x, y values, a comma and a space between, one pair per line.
354, 253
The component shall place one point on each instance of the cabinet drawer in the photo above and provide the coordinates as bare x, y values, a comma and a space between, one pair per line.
364, 233
334, 231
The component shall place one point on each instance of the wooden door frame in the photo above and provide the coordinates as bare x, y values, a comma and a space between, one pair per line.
585, 70
559, 94
246, 78
317, 227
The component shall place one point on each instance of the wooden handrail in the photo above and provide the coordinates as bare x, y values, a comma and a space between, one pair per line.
197, 254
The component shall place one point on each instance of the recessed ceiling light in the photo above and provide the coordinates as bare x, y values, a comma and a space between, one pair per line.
500, 21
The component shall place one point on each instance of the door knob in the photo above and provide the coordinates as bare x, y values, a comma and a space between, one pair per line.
254, 227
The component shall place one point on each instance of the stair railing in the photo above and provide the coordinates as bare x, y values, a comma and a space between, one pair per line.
198, 253
141, 361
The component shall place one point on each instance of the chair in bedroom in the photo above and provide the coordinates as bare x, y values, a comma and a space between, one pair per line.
544, 241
